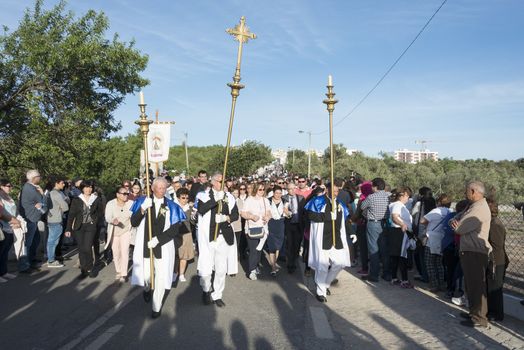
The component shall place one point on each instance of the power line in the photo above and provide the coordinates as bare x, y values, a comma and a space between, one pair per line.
388, 71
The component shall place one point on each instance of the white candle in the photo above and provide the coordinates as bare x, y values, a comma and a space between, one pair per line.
142, 98
330, 80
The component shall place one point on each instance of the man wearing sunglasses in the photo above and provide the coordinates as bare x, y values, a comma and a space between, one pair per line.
216, 240
303, 189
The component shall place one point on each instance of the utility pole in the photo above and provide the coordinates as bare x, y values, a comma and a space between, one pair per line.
187, 156
308, 152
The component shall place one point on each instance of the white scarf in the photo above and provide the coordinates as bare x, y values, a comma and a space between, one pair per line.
88, 202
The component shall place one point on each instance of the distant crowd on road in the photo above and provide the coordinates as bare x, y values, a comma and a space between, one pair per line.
386, 233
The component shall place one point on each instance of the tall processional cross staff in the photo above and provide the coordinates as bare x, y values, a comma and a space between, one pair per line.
144, 123
330, 104
241, 34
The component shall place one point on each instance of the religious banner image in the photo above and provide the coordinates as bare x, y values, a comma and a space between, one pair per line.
159, 138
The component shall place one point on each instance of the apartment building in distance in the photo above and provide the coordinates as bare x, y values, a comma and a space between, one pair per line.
413, 157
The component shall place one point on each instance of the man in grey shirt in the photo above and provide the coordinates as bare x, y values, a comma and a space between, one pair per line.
31, 208
375, 207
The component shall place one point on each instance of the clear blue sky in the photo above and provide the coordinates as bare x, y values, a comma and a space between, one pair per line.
460, 86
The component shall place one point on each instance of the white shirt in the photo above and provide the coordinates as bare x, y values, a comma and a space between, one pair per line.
400, 209
157, 202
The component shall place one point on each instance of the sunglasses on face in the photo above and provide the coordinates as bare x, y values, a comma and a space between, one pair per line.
184, 197
8, 186
124, 193
280, 183
301, 181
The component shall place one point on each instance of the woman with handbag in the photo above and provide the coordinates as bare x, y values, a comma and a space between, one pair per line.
399, 235
276, 227
84, 213
118, 218
8, 221
257, 213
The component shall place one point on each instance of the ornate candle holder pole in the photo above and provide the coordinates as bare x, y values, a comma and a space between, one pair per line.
143, 122
330, 103
242, 34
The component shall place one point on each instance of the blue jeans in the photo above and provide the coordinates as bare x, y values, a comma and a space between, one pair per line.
55, 231
31, 235
373, 233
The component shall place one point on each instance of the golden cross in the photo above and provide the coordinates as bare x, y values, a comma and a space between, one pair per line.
242, 34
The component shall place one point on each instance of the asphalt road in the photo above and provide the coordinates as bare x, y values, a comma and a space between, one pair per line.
52, 309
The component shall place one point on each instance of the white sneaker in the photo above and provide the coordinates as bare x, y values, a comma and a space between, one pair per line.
55, 264
175, 276
253, 276
2, 280
9, 276
182, 278
460, 301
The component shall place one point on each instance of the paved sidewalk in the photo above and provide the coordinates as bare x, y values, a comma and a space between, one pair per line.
381, 316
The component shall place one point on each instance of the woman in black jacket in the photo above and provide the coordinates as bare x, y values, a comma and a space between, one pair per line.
84, 214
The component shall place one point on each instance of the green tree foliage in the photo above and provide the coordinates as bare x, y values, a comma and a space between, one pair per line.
60, 82
199, 158
243, 160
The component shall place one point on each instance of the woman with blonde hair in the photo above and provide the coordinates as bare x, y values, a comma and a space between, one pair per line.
257, 213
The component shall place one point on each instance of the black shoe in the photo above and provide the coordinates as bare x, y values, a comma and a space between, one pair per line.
156, 314
219, 303
36, 261
465, 315
147, 295
26, 271
233, 275
206, 298
472, 324
492, 318
83, 275
321, 298
291, 270
328, 292
368, 278
93, 273
334, 282
386, 278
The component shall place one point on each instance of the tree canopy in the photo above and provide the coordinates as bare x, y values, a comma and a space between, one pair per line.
61, 80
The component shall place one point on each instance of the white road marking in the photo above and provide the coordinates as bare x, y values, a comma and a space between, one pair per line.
104, 337
320, 323
100, 321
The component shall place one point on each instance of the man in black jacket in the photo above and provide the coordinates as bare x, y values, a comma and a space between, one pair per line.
216, 239
294, 226
167, 225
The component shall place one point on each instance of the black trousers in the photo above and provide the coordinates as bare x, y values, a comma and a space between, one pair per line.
474, 266
254, 254
293, 241
495, 282
363, 246
241, 244
451, 261
398, 262
85, 237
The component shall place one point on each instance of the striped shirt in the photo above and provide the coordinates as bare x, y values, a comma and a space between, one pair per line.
375, 206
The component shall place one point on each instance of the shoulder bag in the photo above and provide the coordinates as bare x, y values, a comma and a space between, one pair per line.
257, 232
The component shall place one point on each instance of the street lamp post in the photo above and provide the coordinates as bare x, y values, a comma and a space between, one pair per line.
308, 152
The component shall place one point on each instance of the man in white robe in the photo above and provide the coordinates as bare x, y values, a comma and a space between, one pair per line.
167, 225
328, 250
215, 246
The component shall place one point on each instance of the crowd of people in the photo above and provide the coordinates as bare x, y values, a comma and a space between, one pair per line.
385, 232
